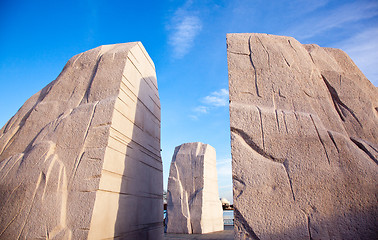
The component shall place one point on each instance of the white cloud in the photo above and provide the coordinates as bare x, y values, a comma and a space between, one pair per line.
185, 26
217, 98
213, 100
363, 49
200, 109
310, 6
335, 18
305, 6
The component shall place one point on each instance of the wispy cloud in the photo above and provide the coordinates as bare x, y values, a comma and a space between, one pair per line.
363, 49
213, 100
306, 6
197, 111
200, 109
184, 27
217, 98
346, 14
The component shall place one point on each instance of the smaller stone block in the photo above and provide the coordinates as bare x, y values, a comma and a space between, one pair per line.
193, 199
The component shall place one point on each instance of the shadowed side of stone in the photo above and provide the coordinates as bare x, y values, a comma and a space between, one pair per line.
193, 204
56, 157
304, 141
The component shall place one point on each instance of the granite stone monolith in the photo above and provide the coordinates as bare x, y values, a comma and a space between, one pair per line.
81, 158
193, 204
304, 141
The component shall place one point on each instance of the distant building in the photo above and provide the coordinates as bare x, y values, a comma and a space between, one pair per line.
226, 204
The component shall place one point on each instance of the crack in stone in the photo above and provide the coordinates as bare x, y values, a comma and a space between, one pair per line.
91, 79
278, 123
288, 64
308, 223
338, 103
194, 195
248, 140
236, 178
363, 148
309, 226
19, 157
253, 65
291, 45
265, 50
333, 140
372, 147
321, 141
239, 53
308, 95
295, 114
244, 224
279, 93
284, 117
262, 128
8, 125
286, 166
78, 160
311, 58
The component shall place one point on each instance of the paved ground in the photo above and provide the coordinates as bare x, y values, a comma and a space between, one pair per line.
227, 234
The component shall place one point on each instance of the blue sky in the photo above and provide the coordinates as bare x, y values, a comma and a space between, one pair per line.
187, 42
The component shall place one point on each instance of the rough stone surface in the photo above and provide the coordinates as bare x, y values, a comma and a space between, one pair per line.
304, 141
81, 158
193, 200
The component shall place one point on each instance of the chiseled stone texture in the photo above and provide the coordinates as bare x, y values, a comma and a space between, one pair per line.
193, 199
304, 141
81, 158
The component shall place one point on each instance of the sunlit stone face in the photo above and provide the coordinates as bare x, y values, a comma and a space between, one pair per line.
304, 141
81, 158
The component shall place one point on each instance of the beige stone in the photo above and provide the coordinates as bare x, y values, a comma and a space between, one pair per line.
81, 158
193, 204
304, 141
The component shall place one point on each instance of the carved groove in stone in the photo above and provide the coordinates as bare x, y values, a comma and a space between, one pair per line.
320, 139
363, 148
249, 141
339, 105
